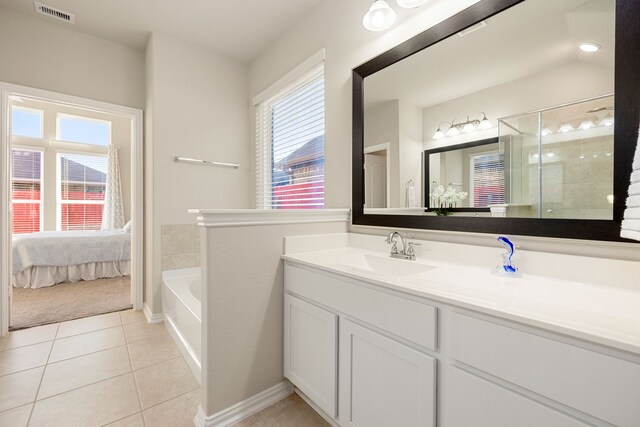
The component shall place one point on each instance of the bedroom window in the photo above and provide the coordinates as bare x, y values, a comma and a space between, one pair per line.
81, 187
26, 122
83, 130
290, 141
26, 191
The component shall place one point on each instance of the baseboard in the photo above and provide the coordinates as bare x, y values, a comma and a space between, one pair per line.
244, 409
151, 317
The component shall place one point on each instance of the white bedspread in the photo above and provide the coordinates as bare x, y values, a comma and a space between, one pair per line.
64, 248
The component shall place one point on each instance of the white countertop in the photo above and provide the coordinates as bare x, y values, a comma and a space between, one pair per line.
602, 314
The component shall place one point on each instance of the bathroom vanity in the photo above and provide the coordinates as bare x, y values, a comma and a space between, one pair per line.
375, 341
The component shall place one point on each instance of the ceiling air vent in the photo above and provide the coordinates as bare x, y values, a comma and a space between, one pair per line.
472, 29
52, 12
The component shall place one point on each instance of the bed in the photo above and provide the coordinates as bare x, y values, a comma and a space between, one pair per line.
50, 257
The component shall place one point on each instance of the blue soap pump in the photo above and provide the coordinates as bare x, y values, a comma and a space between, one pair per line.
507, 268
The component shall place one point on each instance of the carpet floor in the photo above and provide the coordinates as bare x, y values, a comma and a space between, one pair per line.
68, 301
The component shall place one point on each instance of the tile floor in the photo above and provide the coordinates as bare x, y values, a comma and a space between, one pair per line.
289, 412
114, 369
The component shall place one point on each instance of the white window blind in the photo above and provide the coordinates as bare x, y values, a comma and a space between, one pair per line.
26, 191
488, 179
81, 188
290, 145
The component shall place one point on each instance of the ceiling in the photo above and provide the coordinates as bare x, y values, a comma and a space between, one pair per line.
529, 38
236, 29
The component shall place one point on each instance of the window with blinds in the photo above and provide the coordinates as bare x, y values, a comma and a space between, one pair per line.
290, 145
26, 191
488, 179
81, 187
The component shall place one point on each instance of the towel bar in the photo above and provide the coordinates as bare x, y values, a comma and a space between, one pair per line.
188, 160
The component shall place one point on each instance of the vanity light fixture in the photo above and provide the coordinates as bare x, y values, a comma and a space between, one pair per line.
546, 132
466, 127
379, 17
590, 47
566, 128
606, 121
586, 124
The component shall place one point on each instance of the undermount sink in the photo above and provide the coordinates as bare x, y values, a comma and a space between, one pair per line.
385, 266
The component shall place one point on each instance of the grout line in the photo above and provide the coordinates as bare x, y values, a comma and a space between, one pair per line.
135, 380
41, 378
120, 419
169, 400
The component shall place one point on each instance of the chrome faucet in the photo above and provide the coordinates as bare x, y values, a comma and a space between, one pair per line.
407, 249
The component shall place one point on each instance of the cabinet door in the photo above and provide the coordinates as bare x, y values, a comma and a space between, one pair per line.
382, 382
310, 352
474, 402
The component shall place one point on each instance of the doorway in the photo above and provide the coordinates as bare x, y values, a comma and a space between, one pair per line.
71, 226
376, 175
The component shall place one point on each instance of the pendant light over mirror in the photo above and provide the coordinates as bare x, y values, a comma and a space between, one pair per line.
379, 17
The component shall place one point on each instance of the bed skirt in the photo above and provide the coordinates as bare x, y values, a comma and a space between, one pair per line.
40, 277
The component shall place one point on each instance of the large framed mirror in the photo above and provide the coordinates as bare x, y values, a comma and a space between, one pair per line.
513, 116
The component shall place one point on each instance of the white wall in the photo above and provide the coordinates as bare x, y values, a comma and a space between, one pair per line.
337, 26
197, 106
38, 53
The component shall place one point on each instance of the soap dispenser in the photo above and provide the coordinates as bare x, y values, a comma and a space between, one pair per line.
507, 268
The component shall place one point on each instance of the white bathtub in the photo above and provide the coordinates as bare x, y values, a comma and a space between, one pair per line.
181, 306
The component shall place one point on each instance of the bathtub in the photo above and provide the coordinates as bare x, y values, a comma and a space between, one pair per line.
182, 309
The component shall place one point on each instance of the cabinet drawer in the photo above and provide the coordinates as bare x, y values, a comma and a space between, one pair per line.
411, 320
475, 402
602, 386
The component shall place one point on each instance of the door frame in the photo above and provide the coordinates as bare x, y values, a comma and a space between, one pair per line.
137, 186
386, 146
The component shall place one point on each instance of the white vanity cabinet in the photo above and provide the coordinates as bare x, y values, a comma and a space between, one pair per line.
369, 355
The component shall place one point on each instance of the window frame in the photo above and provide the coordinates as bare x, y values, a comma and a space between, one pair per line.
301, 75
40, 202
33, 110
59, 201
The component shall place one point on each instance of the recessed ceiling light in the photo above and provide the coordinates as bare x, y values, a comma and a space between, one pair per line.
590, 47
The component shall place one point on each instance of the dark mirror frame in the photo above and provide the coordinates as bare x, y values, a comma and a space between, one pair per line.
427, 179
627, 119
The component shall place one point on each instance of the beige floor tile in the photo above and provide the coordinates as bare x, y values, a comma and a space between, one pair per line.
17, 417
132, 316
22, 358
149, 352
84, 370
20, 388
94, 405
28, 336
164, 381
88, 324
291, 412
78, 345
134, 420
177, 412
252, 421
144, 331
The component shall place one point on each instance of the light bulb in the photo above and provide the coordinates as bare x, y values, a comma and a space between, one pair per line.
379, 17
587, 124
410, 4
590, 47
607, 121
453, 131
566, 128
469, 127
485, 124
439, 134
